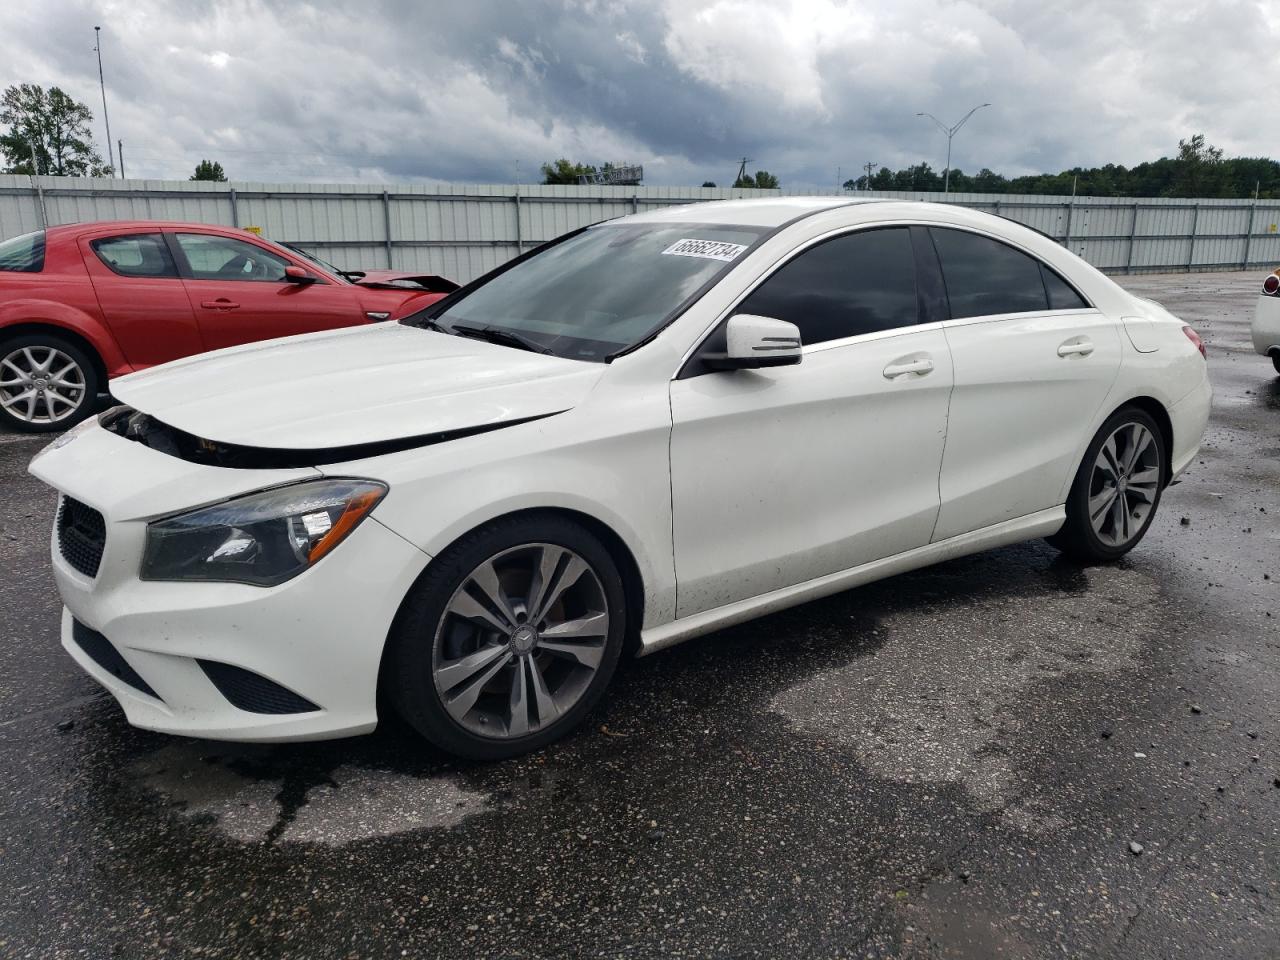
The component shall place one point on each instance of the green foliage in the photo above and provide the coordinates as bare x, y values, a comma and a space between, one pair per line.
209, 170
1199, 170
562, 171
52, 123
708, 183
763, 180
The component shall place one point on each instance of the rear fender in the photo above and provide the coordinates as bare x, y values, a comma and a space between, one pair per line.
29, 315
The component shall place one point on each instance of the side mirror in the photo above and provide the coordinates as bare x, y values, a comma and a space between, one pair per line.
294, 274
752, 342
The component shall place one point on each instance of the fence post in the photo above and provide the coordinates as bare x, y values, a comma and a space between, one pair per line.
635, 203
1066, 240
1133, 238
386, 226
1248, 237
235, 213
519, 231
1195, 222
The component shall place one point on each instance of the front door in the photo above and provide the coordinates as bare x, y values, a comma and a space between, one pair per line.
785, 474
239, 294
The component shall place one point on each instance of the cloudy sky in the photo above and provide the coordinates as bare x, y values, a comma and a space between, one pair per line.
482, 90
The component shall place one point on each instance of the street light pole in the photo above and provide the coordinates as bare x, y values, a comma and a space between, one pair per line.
951, 132
97, 45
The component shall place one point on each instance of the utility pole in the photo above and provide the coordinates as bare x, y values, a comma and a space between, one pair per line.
742, 169
97, 36
35, 164
120, 154
951, 132
869, 165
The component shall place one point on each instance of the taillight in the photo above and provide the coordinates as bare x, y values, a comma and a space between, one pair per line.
1195, 338
1271, 285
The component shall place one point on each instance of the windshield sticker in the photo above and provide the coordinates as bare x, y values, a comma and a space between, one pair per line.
707, 249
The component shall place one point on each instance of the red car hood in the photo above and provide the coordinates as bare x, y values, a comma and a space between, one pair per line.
401, 280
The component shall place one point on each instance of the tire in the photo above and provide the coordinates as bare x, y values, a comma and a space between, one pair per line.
1119, 521
486, 693
47, 383
1275, 360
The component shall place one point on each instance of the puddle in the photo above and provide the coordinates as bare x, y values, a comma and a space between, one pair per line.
203, 782
942, 700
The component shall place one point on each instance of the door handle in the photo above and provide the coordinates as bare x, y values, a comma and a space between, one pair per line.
920, 367
1076, 348
222, 303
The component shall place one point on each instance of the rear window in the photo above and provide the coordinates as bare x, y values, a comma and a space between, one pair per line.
24, 254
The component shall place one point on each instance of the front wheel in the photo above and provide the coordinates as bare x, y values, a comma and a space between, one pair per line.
46, 383
1115, 493
509, 638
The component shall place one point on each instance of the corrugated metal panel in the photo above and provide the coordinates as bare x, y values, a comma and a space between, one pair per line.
463, 230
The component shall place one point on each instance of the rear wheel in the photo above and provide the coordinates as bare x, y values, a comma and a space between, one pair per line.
509, 639
1116, 490
1275, 360
47, 383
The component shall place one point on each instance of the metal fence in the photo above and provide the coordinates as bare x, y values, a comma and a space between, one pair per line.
463, 230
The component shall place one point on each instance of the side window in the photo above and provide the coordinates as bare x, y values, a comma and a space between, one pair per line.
136, 255
1062, 296
853, 284
984, 276
224, 258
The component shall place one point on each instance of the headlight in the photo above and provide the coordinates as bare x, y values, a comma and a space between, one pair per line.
261, 539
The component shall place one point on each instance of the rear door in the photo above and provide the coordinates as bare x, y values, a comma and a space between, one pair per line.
141, 295
1033, 364
239, 294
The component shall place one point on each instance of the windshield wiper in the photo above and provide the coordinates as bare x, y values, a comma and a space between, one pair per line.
506, 338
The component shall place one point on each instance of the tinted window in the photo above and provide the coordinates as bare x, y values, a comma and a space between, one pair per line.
225, 258
24, 254
1061, 294
984, 276
136, 255
858, 283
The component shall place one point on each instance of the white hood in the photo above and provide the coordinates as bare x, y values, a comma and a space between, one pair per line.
354, 386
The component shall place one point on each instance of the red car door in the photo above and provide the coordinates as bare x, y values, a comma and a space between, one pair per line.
239, 292
141, 295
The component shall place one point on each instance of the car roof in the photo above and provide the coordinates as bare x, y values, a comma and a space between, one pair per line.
767, 212
129, 226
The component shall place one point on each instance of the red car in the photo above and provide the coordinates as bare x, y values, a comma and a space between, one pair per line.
83, 303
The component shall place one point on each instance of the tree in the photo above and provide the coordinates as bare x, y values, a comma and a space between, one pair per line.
708, 183
1199, 168
763, 180
562, 171
55, 125
209, 170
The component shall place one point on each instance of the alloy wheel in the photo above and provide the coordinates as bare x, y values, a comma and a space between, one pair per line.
41, 384
1124, 484
520, 641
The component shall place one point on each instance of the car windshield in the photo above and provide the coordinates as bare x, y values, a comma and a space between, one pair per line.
314, 259
24, 254
598, 292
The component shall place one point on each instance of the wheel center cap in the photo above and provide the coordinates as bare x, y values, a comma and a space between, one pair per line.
523, 639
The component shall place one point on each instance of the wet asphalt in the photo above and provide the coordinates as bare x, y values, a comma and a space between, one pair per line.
950, 763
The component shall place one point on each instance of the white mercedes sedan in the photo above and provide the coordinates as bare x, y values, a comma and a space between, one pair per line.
643, 431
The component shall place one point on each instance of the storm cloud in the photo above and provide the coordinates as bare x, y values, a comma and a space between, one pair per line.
484, 91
